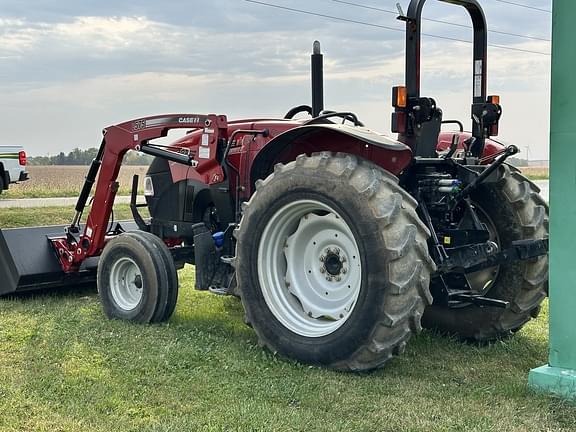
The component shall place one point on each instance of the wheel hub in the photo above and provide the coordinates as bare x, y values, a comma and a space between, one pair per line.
126, 283
333, 263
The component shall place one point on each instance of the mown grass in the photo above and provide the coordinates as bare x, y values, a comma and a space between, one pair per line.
64, 367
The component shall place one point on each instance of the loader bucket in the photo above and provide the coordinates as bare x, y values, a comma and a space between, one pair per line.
28, 261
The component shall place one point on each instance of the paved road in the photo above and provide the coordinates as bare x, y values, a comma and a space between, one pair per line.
53, 202
63, 202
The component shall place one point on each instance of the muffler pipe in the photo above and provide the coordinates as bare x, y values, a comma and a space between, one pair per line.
317, 80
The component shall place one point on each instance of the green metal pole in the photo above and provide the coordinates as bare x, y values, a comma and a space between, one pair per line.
559, 376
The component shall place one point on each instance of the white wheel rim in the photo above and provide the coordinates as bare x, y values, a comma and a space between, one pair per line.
126, 284
309, 268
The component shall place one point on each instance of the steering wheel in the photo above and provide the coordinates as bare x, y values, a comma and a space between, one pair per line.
344, 115
297, 110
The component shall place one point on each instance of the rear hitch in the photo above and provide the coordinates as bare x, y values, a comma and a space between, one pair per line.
457, 298
473, 258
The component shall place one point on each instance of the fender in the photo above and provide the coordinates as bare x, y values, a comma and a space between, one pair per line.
386, 152
491, 146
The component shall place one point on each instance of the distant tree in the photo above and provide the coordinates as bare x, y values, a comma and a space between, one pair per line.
85, 157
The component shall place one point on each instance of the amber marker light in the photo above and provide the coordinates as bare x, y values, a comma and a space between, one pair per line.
399, 97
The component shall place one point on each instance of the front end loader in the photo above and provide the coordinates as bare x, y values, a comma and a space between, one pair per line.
340, 242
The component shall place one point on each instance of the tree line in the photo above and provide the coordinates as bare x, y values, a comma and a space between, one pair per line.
85, 157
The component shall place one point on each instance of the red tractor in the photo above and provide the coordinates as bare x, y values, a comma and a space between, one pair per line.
340, 242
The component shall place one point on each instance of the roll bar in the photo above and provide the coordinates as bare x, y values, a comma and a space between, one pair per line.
413, 20
417, 119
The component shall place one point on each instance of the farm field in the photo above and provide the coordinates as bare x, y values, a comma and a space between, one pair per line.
64, 367
65, 181
536, 173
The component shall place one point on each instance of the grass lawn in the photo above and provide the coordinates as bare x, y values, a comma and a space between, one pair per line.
63, 367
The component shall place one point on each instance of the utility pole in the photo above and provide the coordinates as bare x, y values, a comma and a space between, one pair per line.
527, 155
559, 375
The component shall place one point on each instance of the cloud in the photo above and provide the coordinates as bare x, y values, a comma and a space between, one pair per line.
74, 67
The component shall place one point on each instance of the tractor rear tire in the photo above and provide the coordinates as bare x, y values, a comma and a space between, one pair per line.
134, 281
332, 263
517, 212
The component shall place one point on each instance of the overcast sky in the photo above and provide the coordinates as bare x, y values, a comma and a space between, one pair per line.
70, 68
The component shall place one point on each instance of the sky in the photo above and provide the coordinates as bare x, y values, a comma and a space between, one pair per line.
70, 68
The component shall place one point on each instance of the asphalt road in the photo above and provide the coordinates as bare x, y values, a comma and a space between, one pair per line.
63, 202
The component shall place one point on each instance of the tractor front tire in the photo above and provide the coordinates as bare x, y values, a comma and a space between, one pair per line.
167, 305
332, 263
517, 212
136, 281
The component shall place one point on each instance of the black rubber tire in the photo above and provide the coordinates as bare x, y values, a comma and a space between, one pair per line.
392, 244
518, 212
1, 184
150, 261
169, 296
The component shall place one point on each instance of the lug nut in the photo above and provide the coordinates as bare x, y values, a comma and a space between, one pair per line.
328, 250
328, 278
344, 271
322, 258
337, 250
322, 270
343, 259
338, 278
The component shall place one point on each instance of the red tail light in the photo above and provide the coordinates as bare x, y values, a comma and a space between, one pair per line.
22, 158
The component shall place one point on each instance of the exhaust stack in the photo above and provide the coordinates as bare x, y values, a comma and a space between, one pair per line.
317, 80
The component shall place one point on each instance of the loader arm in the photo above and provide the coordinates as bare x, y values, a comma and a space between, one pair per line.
74, 248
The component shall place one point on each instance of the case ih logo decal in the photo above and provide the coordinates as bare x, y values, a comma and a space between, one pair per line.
155, 122
189, 120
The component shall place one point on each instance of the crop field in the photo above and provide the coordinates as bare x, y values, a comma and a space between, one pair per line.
65, 181
536, 173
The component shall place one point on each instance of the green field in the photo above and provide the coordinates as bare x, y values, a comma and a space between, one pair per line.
64, 367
